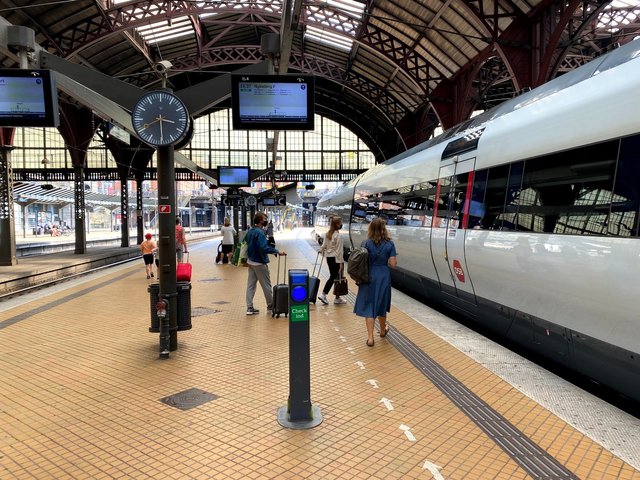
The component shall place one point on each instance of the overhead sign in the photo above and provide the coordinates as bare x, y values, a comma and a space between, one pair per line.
164, 208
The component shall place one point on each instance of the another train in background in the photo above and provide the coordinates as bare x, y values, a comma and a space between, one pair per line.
525, 218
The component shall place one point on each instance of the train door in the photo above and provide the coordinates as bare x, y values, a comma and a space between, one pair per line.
447, 235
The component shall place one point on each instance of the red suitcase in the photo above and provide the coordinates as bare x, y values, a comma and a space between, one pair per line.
183, 271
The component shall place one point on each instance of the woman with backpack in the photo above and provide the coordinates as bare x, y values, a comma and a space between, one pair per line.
374, 297
333, 249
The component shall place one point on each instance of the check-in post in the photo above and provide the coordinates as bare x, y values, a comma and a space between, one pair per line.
299, 412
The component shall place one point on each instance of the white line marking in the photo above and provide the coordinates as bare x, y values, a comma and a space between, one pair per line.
434, 469
407, 432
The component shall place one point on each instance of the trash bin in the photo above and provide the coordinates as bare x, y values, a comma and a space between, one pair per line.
184, 306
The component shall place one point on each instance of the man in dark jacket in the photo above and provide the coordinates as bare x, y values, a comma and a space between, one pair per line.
258, 250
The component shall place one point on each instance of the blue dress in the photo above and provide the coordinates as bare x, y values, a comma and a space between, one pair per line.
374, 298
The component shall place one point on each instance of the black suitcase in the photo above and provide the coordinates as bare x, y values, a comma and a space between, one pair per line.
314, 280
280, 294
219, 254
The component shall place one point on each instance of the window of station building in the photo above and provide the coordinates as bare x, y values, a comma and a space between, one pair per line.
294, 160
201, 133
238, 140
238, 158
313, 161
99, 156
349, 161
313, 141
31, 148
331, 161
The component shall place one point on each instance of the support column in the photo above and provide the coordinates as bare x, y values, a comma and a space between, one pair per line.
139, 210
77, 127
167, 237
80, 210
124, 212
7, 227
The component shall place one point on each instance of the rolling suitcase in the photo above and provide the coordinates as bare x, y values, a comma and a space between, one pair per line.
280, 293
220, 254
314, 280
183, 271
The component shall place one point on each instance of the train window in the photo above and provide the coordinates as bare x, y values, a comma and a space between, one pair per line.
451, 201
495, 195
408, 206
530, 218
623, 219
508, 219
477, 207
571, 191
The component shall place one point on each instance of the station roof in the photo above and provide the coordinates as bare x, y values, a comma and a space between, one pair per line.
376, 62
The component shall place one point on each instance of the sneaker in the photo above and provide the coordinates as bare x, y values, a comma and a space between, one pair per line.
339, 301
323, 298
252, 311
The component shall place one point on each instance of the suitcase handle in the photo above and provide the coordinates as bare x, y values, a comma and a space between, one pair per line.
285, 267
313, 272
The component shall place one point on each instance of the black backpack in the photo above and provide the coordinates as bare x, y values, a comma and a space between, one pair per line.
358, 265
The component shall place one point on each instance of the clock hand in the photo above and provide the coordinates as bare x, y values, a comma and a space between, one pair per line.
147, 125
161, 135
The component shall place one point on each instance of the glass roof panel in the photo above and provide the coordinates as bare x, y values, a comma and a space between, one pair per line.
345, 8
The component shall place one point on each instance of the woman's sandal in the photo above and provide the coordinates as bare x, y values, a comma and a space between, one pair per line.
371, 344
386, 330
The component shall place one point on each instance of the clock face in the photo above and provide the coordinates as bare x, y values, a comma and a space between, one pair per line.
160, 118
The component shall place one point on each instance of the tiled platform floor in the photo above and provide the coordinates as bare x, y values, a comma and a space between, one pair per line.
82, 383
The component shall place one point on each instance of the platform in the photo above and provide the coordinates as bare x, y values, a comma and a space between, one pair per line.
85, 396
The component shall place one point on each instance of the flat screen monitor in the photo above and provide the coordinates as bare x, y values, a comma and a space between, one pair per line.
233, 177
269, 202
272, 102
28, 98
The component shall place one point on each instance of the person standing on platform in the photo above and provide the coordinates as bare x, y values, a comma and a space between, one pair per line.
374, 298
148, 248
270, 238
228, 236
333, 249
258, 250
181, 241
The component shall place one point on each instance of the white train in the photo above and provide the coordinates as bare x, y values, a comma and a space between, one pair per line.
525, 218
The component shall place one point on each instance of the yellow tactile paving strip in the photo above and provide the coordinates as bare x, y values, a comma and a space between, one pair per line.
82, 383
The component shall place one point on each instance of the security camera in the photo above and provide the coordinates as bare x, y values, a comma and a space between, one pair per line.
163, 66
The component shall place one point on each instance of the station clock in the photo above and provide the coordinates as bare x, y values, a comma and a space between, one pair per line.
160, 118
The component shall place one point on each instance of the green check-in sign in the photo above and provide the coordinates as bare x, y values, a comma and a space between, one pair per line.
299, 313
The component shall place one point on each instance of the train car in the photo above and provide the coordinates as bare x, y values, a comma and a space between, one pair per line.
525, 218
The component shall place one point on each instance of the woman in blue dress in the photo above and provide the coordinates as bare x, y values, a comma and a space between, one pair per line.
374, 298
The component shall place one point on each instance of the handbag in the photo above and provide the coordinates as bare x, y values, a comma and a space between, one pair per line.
340, 287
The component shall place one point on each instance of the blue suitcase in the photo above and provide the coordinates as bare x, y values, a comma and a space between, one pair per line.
280, 294
314, 280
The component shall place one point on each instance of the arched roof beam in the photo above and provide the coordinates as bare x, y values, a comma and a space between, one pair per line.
126, 16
